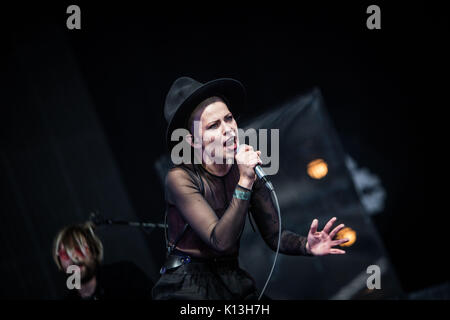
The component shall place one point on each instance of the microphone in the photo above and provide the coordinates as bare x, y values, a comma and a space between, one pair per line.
261, 174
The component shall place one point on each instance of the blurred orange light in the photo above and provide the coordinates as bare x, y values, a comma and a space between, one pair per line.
348, 233
317, 169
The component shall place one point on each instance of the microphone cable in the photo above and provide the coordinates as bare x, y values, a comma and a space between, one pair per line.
274, 197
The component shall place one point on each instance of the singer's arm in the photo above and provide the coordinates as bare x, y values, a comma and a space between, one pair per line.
265, 215
221, 234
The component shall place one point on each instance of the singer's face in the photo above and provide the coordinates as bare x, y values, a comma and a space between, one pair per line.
218, 130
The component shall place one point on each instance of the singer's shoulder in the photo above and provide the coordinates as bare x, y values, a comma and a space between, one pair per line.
181, 169
180, 174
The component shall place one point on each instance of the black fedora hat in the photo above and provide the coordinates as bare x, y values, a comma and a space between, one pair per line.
186, 93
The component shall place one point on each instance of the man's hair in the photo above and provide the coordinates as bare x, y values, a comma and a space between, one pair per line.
77, 237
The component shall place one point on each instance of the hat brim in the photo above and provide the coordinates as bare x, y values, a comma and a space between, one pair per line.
230, 90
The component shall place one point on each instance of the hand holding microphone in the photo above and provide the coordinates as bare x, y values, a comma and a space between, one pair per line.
249, 163
247, 159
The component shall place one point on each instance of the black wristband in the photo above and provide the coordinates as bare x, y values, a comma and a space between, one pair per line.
243, 188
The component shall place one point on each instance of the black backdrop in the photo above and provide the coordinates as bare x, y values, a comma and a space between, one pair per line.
82, 122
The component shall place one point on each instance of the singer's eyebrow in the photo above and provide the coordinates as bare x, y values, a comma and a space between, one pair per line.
228, 114
212, 122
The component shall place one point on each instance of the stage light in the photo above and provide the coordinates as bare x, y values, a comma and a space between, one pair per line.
348, 233
317, 169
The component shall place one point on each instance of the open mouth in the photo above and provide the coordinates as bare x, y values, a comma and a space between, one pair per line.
231, 143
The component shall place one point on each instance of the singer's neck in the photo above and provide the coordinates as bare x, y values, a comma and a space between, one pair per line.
217, 169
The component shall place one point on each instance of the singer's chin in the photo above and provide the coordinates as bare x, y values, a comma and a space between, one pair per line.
230, 155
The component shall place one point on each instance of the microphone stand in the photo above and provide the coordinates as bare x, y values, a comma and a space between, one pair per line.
134, 224
98, 220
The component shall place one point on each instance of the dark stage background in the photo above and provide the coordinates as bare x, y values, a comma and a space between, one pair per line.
82, 123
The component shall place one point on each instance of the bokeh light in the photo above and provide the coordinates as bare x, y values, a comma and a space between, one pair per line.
317, 169
348, 233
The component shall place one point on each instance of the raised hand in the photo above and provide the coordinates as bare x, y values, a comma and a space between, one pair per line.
321, 243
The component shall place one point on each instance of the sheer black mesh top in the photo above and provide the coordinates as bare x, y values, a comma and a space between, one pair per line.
216, 218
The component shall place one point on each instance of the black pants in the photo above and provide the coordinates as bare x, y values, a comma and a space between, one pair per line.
212, 280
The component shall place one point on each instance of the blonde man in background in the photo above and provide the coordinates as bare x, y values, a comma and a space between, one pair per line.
78, 245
